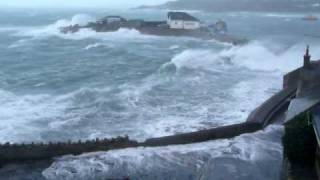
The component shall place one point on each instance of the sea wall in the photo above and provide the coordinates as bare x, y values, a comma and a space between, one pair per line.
291, 79
275, 105
25, 152
10, 153
205, 135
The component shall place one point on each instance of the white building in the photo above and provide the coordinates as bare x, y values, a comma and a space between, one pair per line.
182, 20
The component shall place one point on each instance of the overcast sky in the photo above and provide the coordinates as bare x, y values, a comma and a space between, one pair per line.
78, 3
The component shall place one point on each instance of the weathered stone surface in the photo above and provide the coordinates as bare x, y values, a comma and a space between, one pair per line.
302, 104
278, 103
205, 135
23, 152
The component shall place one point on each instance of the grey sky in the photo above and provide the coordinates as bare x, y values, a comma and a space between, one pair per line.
78, 3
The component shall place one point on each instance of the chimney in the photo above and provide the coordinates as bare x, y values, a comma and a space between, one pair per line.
307, 57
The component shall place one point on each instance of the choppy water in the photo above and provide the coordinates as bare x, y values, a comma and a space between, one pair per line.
55, 87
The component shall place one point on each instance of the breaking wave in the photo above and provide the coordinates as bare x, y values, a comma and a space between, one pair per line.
259, 56
21, 43
173, 47
255, 56
54, 30
28, 117
98, 45
18, 112
235, 156
197, 59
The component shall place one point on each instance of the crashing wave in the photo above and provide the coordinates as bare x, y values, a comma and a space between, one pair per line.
255, 56
196, 59
199, 160
54, 30
97, 45
17, 111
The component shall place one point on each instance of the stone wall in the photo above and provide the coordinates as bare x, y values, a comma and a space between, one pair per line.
23, 152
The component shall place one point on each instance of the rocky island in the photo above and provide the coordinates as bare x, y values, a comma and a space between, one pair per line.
178, 24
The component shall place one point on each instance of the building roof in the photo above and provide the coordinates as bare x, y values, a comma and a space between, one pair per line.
181, 16
302, 104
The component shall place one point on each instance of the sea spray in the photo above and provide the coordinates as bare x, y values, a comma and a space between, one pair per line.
194, 160
194, 59
255, 56
18, 112
80, 19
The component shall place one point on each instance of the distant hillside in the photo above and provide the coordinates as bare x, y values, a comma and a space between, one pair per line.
243, 5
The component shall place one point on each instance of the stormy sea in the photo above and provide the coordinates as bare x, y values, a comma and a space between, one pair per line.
59, 87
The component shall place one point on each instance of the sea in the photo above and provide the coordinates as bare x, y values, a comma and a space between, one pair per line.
57, 87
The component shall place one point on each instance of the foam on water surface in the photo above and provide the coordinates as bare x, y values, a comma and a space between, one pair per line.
87, 85
196, 93
179, 162
53, 30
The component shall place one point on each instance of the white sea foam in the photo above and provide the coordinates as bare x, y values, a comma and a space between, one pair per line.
258, 56
244, 95
156, 121
97, 45
194, 158
255, 56
174, 47
25, 117
251, 93
91, 46
20, 43
138, 99
223, 44
54, 30
17, 113
196, 59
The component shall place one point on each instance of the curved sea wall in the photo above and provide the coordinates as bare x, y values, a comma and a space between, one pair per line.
268, 112
15, 153
31, 152
224, 132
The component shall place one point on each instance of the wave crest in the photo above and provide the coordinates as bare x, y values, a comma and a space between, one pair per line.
255, 56
193, 160
196, 59
81, 19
